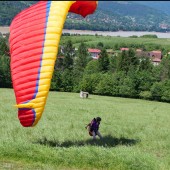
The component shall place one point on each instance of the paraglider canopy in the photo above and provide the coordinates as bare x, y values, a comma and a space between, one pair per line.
83, 8
34, 39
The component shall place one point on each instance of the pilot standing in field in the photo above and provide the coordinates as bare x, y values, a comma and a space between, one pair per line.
93, 127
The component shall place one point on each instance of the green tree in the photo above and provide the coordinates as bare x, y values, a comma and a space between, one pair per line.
118, 79
127, 60
113, 63
166, 91
81, 57
69, 53
103, 61
156, 91
127, 88
81, 60
133, 59
5, 74
106, 85
59, 65
100, 45
90, 82
116, 46
145, 64
121, 61
56, 82
67, 80
145, 79
4, 48
92, 67
165, 68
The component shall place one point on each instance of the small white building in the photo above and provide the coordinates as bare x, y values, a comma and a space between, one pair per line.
156, 61
94, 53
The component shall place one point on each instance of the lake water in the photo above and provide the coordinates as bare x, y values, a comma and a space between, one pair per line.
118, 33
105, 33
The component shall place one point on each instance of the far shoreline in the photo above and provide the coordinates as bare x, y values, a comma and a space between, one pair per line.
5, 30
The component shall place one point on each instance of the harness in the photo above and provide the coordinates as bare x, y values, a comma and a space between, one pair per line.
93, 126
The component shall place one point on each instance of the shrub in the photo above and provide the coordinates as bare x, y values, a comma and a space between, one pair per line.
105, 85
145, 95
156, 91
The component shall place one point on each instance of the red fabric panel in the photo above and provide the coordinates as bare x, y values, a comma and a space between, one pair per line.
83, 8
27, 33
26, 117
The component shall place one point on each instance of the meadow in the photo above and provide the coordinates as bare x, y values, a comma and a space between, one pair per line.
135, 134
109, 41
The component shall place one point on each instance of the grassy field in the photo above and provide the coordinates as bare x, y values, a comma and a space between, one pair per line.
136, 134
111, 41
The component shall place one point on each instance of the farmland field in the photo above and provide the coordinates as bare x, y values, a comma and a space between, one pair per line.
109, 41
135, 134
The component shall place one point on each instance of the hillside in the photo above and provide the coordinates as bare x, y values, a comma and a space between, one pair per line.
128, 16
110, 16
159, 5
135, 134
8, 9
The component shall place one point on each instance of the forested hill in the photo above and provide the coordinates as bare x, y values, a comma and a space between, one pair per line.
110, 16
8, 9
159, 5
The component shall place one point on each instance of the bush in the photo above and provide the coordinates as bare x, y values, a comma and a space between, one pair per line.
5, 74
166, 91
156, 91
127, 89
149, 36
105, 85
90, 82
92, 67
133, 36
145, 95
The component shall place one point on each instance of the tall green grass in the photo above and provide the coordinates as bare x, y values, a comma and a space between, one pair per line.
135, 134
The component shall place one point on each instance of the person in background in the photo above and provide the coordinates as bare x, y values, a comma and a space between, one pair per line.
93, 127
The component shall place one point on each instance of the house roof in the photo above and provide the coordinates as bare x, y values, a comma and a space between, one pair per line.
156, 60
94, 50
156, 54
124, 49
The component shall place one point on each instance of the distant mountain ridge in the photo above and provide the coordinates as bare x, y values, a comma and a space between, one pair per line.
110, 16
163, 6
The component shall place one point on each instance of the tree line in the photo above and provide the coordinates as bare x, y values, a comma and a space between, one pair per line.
121, 75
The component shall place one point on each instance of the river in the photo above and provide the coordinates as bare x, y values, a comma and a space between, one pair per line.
4, 30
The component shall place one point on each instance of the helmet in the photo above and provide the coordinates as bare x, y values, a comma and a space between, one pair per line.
98, 119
